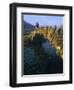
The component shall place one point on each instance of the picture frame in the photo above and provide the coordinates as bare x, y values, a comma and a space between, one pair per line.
20, 76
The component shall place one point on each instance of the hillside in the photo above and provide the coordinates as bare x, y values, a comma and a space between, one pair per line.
28, 27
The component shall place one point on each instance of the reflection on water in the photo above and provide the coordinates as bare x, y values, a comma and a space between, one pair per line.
42, 60
48, 48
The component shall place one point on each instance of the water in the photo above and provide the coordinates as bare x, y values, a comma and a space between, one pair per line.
42, 61
49, 49
29, 55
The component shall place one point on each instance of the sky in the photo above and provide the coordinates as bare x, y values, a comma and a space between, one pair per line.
44, 20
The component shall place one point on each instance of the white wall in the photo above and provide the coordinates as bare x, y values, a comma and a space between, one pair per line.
4, 43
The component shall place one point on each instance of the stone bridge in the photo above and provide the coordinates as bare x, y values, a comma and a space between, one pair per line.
53, 36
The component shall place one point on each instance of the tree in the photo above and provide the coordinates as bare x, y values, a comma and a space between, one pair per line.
37, 25
55, 27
